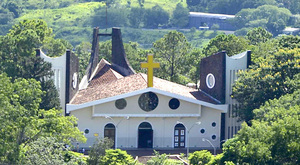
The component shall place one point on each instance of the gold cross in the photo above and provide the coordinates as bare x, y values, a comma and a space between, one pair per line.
150, 65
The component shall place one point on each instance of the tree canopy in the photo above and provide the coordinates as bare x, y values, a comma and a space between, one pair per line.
22, 122
268, 80
172, 51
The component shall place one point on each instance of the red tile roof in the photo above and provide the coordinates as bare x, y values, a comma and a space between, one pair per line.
109, 85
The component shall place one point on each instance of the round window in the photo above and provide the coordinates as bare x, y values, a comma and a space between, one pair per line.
148, 101
210, 80
213, 137
174, 103
86, 131
121, 103
202, 131
213, 124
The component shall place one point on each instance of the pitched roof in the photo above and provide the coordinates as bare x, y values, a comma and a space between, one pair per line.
109, 85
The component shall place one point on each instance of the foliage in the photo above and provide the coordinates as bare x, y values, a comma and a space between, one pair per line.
75, 158
268, 80
116, 157
83, 52
271, 17
20, 114
171, 51
258, 35
98, 150
173, 162
273, 137
225, 6
156, 16
46, 150
116, 17
136, 17
18, 56
230, 43
157, 159
200, 157
180, 16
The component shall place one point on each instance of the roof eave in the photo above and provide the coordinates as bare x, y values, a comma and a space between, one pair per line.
73, 107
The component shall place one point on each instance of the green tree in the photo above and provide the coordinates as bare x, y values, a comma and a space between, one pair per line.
171, 52
180, 16
267, 16
83, 52
156, 16
258, 35
18, 56
230, 43
268, 80
46, 150
22, 122
136, 17
273, 137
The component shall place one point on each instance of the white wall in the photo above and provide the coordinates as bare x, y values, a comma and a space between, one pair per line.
59, 69
163, 127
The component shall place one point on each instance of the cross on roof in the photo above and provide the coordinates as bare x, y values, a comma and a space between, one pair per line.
150, 65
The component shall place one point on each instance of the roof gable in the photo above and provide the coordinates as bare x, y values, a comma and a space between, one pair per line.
72, 107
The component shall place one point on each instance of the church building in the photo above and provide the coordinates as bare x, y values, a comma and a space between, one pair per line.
138, 110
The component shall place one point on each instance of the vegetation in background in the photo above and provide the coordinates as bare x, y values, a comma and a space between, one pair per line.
97, 151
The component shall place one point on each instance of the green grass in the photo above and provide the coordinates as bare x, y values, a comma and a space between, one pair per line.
73, 23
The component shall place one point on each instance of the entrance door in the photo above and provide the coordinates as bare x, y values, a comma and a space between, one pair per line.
179, 136
145, 133
110, 132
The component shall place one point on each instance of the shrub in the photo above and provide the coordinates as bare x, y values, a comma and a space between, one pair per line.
98, 150
116, 157
200, 157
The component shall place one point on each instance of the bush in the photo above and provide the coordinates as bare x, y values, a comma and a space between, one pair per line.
157, 159
173, 162
200, 157
98, 150
116, 157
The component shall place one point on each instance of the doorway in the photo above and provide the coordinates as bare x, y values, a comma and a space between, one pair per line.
110, 132
179, 136
145, 135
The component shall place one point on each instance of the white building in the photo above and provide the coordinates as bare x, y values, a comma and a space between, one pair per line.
113, 101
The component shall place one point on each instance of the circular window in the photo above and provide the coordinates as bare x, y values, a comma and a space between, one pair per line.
121, 103
202, 131
214, 124
174, 103
86, 131
210, 80
148, 101
74, 80
213, 137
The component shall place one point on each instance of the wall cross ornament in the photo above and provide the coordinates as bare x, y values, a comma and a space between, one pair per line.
150, 65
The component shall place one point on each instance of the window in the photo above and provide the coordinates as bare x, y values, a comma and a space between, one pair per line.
87, 131
121, 104
213, 137
174, 103
202, 131
213, 124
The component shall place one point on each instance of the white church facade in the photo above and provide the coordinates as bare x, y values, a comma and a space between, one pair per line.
115, 102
